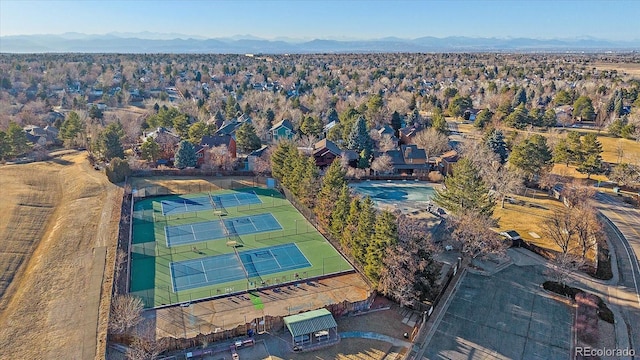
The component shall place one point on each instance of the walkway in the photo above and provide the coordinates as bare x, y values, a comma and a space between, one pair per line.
375, 336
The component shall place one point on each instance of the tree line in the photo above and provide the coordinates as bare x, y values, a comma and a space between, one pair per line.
394, 252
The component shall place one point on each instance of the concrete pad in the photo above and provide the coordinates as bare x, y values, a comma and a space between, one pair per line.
504, 316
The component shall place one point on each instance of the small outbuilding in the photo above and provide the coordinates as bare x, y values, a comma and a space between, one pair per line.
312, 328
514, 236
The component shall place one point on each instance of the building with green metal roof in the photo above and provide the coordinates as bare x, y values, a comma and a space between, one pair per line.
312, 327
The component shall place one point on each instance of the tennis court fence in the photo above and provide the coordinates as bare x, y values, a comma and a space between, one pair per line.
205, 186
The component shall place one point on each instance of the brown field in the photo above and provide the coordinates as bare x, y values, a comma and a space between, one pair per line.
528, 217
610, 145
624, 68
58, 230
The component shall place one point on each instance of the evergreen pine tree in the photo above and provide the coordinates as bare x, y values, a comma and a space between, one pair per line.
385, 234
280, 167
185, 155
575, 147
561, 153
439, 122
332, 182
496, 143
110, 143
247, 139
150, 149
5, 146
17, 139
348, 235
532, 156
396, 121
366, 223
340, 213
465, 191
359, 138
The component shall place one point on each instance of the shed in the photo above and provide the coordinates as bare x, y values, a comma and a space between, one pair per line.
311, 327
513, 235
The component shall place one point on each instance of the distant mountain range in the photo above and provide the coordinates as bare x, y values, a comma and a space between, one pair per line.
147, 42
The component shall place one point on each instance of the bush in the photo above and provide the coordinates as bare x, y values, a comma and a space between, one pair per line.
118, 170
435, 176
561, 289
604, 313
603, 272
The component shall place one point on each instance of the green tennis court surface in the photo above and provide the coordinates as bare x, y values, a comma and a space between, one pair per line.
188, 261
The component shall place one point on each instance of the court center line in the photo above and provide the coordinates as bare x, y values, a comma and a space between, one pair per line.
186, 209
193, 232
254, 225
274, 258
206, 280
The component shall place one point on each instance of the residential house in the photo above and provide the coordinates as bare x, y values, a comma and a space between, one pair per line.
251, 158
230, 127
324, 152
470, 114
409, 160
283, 130
407, 133
447, 160
167, 139
41, 136
326, 128
387, 130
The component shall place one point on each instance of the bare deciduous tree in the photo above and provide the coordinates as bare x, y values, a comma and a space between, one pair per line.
382, 164
386, 143
562, 265
144, 345
561, 228
473, 235
432, 141
588, 227
218, 157
503, 180
307, 141
577, 193
126, 312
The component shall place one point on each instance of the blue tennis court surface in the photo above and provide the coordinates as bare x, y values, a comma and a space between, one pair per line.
212, 270
212, 230
182, 205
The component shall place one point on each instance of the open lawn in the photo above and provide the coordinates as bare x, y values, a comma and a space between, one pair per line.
527, 216
58, 236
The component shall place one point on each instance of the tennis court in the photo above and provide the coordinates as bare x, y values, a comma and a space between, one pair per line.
212, 270
212, 230
180, 205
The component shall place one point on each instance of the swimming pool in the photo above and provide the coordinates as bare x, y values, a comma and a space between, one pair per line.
406, 195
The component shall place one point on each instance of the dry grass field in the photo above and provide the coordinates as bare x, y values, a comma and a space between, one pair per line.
528, 217
623, 68
57, 249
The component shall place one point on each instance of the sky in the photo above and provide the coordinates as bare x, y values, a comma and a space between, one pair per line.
328, 19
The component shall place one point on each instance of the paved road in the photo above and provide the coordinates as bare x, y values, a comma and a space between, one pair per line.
624, 220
